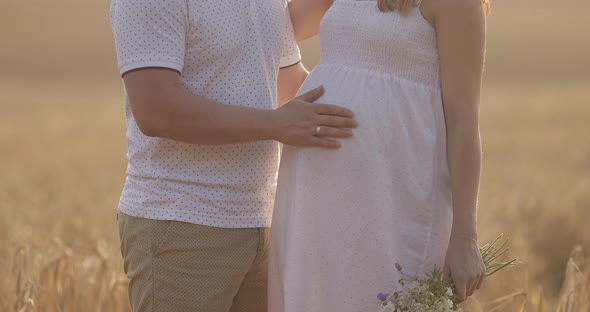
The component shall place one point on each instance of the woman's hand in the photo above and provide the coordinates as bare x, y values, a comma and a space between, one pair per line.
464, 265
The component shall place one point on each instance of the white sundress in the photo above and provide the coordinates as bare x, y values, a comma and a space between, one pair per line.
343, 218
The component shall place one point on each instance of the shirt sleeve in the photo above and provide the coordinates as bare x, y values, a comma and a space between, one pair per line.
290, 54
149, 33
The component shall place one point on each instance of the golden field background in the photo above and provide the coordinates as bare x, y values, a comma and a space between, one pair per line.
62, 158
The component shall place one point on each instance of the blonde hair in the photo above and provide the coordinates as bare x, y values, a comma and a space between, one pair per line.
403, 6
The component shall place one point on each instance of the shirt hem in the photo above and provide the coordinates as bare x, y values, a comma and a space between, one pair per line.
123, 69
291, 60
287, 66
193, 217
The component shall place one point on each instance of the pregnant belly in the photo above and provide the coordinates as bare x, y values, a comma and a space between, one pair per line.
390, 111
401, 128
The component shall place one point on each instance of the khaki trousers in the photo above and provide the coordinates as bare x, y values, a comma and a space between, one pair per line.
180, 267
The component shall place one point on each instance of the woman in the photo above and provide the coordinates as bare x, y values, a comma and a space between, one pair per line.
411, 72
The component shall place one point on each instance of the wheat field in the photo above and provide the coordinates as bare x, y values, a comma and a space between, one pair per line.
62, 159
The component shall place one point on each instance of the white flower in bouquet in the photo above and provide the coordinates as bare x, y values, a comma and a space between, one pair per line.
388, 307
436, 293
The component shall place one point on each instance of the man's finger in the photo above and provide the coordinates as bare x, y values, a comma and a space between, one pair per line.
334, 110
334, 121
312, 95
325, 143
333, 132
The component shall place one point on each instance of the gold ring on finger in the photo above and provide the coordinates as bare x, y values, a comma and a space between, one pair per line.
317, 130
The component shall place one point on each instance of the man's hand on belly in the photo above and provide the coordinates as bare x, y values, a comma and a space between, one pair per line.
302, 123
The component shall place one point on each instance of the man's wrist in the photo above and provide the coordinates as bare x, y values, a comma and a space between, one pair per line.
268, 128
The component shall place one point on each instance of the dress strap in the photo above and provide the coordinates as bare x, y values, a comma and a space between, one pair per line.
418, 3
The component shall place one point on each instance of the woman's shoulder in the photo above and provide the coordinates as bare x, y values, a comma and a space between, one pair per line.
434, 10
455, 4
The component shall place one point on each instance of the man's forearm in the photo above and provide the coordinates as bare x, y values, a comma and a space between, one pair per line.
182, 116
162, 109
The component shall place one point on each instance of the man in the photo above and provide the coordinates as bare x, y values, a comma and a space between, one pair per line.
202, 127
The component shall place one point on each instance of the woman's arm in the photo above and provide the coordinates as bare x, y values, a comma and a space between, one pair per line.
461, 34
306, 16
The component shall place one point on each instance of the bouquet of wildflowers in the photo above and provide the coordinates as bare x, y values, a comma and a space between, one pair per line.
436, 293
